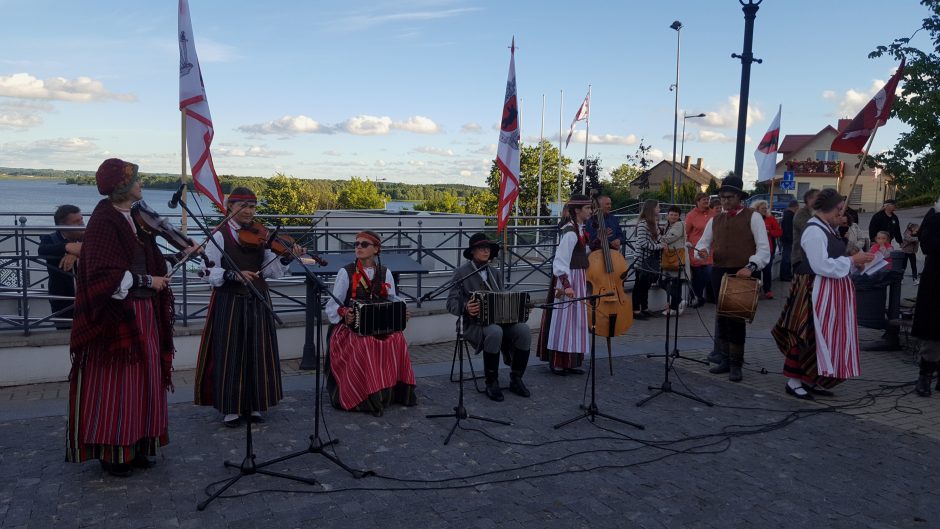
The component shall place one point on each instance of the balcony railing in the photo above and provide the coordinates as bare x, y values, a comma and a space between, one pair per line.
815, 167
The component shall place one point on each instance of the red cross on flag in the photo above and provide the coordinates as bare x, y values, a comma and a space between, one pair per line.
766, 153
507, 155
853, 138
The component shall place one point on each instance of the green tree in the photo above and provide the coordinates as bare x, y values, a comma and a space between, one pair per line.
528, 183
618, 185
444, 202
361, 194
915, 160
593, 175
483, 203
285, 195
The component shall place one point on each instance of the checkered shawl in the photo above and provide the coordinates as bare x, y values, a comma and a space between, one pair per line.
101, 318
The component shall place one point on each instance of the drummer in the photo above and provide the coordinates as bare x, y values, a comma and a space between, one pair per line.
737, 241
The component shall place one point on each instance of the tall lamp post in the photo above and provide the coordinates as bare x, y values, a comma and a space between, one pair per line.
685, 117
677, 26
747, 57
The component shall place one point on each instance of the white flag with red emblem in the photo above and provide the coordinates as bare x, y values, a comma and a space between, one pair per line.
583, 111
507, 155
193, 103
853, 138
766, 153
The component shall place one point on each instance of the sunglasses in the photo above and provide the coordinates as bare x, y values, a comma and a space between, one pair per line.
363, 244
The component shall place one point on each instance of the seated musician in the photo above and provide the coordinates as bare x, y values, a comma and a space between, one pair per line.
366, 373
512, 339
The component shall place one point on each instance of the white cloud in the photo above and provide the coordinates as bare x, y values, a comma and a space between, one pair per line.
416, 163
332, 152
851, 101
471, 128
365, 21
417, 124
727, 115
361, 125
81, 89
711, 136
367, 125
655, 154
380, 163
284, 125
604, 139
49, 149
434, 150
249, 151
486, 149
466, 174
213, 51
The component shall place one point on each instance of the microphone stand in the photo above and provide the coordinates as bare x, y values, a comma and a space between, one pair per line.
591, 410
671, 354
460, 411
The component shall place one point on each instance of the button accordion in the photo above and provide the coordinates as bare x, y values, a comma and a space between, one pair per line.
374, 318
501, 307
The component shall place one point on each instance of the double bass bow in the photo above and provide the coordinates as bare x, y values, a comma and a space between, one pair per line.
605, 275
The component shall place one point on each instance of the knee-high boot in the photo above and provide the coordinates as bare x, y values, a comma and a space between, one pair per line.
491, 372
724, 364
520, 359
923, 381
736, 357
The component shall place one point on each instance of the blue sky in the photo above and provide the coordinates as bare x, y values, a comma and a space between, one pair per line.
412, 90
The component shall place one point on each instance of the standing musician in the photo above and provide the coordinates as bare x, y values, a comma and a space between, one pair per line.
513, 339
366, 373
564, 334
615, 236
736, 239
817, 331
239, 338
122, 335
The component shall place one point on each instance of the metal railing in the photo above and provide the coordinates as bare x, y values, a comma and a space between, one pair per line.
434, 241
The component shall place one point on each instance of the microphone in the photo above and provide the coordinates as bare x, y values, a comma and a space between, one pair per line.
176, 197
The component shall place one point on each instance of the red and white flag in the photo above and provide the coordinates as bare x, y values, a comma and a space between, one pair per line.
766, 153
853, 138
507, 155
193, 103
583, 111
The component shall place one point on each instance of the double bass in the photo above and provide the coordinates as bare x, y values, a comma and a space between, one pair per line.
605, 274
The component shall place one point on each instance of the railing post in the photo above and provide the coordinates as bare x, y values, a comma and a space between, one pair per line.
20, 245
420, 247
185, 297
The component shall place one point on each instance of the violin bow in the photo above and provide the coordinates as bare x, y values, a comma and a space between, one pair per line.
203, 244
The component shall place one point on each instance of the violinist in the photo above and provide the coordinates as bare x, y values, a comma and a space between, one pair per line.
564, 334
366, 373
122, 335
239, 338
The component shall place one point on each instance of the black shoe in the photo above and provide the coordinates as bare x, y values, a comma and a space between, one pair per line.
256, 419
233, 423
516, 386
119, 470
723, 367
646, 314
715, 357
922, 387
818, 391
574, 370
559, 372
377, 413
804, 396
734, 373
142, 461
638, 315
493, 391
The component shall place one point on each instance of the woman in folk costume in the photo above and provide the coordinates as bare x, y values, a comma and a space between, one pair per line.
564, 334
238, 370
122, 338
817, 331
366, 373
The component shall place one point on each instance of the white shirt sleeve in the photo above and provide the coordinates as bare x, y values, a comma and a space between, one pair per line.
816, 249
759, 230
561, 264
705, 242
127, 281
392, 292
216, 275
339, 290
275, 269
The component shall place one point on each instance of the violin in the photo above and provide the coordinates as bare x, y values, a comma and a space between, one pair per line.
257, 235
151, 223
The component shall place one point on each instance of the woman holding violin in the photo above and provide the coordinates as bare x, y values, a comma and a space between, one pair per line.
238, 370
122, 336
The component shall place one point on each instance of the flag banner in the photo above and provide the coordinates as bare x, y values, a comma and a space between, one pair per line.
507, 155
583, 112
193, 103
853, 138
766, 153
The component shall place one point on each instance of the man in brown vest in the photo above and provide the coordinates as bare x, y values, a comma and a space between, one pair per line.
737, 240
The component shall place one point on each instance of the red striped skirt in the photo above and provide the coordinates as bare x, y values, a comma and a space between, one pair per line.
369, 372
117, 408
565, 340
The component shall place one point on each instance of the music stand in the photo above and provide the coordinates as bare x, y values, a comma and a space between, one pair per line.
460, 411
591, 410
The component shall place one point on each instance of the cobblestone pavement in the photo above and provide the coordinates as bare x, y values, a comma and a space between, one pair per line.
757, 459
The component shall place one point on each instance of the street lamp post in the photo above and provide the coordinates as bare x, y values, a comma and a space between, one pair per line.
685, 117
747, 57
677, 26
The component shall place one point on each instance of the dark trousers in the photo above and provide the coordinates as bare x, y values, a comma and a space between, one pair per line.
731, 330
512, 339
701, 281
674, 291
766, 277
786, 273
912, 257
60, 304
641, 290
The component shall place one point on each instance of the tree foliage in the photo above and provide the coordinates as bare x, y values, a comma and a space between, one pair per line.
915, 159
593, 175
361, 194
528, 182
285, 195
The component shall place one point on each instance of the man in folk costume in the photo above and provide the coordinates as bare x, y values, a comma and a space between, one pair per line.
238, 370
817, 331
736, 239
513, 339
564, 336
122, 335
927, 308
366, 373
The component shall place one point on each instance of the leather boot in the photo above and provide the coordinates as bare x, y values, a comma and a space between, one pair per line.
937, 369
736, 357
723, 361
520, 359
517, 386
922, 387
492, 386
716, 355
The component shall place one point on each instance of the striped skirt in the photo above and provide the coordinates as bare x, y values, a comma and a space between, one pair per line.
796, 336
368, 373
238, 370
565, 338
118, 408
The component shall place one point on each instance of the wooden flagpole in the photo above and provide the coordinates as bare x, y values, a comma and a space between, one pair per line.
861, 164
587, 137
561, 130
183, 168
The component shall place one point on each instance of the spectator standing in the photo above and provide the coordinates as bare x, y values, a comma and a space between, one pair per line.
910, 246
61, 249
886, 220
786, 240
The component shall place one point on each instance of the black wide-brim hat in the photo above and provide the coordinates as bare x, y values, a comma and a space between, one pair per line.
734, 184
480, 239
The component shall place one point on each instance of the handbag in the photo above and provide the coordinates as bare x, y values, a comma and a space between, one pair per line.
673, 260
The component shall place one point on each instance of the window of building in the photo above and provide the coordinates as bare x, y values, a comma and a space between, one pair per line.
827, 156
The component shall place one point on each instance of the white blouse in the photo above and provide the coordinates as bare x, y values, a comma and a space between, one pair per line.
815, 246
561, 264
216, 274
342, 285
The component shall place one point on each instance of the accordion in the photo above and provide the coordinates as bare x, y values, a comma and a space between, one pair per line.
373, 318
501, 307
